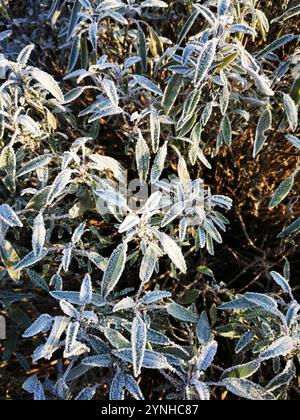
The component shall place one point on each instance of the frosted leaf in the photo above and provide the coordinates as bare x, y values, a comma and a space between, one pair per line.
147, 84
248, 390
294, 140
66, 258
155, 130
36, 163
78, 232
282, 379
142, 156
286, 39
202, 390
292, 313
172, 214
148, 264
138, 344
31, 259
52, 343
101, 360
86, 290
114, 270
41, 325
117, 392
262, 83
291, 111
152, 359
207, 356
155, 296
293, 11
222, 201
86, 394
263, 301
31, 126
205, 60
106, 163
181, 313
113, 199
242, 28
38, 235
48, 83
206, 13
282, 282
71, 336
242, 371
59, 185
132, 386
154, 3
153, 203
111, 92
124, 304
129, 222
203, 329
281, 347
212, 231
159, 163
264, 124
244, 341
116, 339
223, 6
173, 251
68, 309
237, 305
9, 216
171, 93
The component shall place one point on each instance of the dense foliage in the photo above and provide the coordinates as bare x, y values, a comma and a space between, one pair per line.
149, 199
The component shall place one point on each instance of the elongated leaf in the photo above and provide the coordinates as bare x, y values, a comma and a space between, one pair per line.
138, 343
148, 264
38, 235
48, 83
159, 163
205, 60
142, 156
291, 111
181, 313
86, 290
114, 270
203, 329
34, 164
281, 347
9, 216
248, 390
172, 250
282, 191
264, 124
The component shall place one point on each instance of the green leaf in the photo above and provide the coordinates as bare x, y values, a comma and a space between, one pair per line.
282, 191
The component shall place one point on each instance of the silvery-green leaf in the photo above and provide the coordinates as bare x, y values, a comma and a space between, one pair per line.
138, 344
93, 29
223, 6
132, 386
37, 280
243, 371
41, 325
281, 347
5, 34
291, 111
68, 309
173, 251
159, 163
105, 163
282, 282
66, 258
148, 264
31, 259
242, 28
152, 359
293, 11
129, 222
124, 304
202, 390
205, 60
39, 234
114, 269
206, 13
181, 313
117, 391
292, 228
78, 232
207, 355
142, 156
9, 216
59, 185
48, 83
244, 341
101, 360
155, 130
86, 394
113, 199
294, 140
142, 48
148, 85
248, 390
292, 313
203, 329
212, 231
116, 339
282, 191
261, 300
172, 214
222, 201
171, 93
36, 163
75, 51
154, 3
71, 336
278, 43
264, 124
31, 126
237, 305
24, 55
86, 290
111, 91
226, 130
282, 379
155, 296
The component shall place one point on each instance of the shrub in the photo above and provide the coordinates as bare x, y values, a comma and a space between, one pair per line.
106, 208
